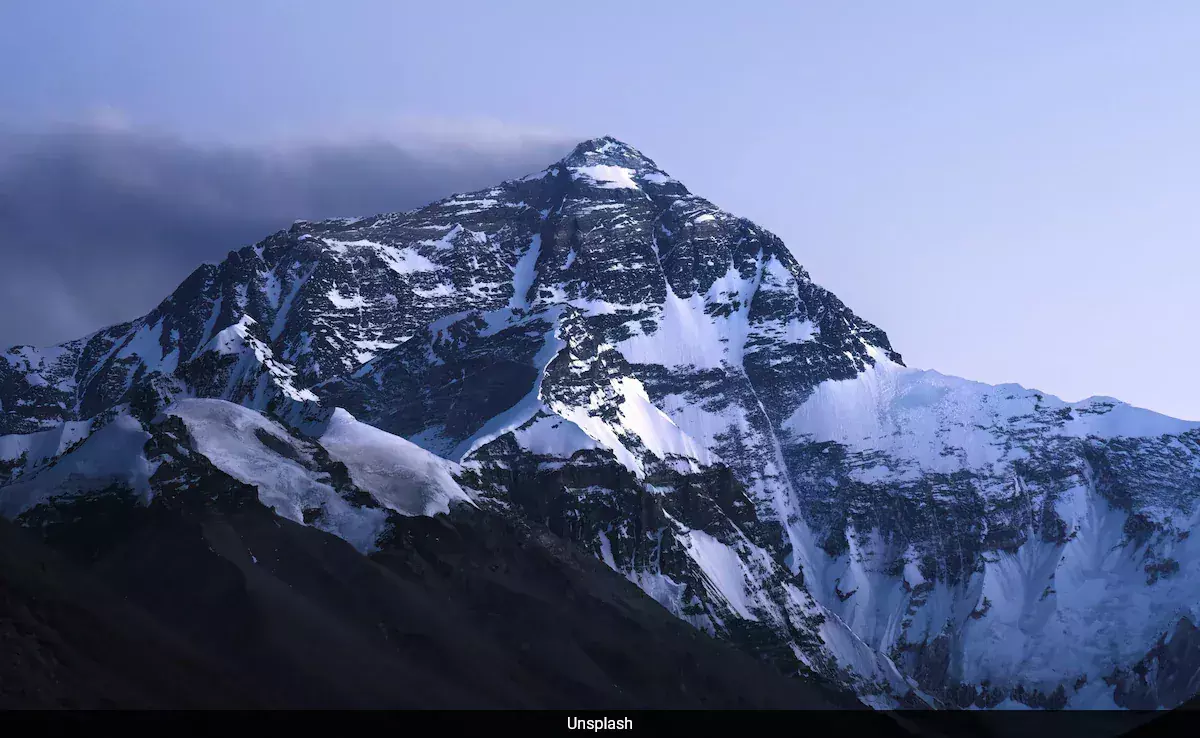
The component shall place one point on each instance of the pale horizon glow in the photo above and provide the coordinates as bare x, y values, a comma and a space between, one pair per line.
1009, 192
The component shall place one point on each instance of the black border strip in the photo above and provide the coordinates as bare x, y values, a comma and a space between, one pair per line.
692, 723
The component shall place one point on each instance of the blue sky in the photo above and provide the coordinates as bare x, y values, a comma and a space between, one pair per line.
1009, 191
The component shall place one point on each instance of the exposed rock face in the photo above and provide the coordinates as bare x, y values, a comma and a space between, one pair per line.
596, 350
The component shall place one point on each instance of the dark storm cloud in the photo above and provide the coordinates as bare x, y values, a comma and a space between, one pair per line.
96, 227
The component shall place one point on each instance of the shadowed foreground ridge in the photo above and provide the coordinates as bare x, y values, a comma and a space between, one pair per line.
174, 614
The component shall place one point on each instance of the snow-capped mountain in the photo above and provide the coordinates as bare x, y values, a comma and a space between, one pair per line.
596, 350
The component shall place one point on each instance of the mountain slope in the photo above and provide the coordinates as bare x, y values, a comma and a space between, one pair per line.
595, 350
194, 602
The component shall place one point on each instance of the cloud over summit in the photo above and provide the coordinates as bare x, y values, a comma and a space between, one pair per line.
99, 223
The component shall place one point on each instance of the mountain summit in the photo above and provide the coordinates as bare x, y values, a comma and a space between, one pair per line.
608, 151
594, 351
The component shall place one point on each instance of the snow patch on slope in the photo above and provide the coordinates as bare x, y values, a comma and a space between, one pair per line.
111, 455
146, 345
660, 434
406, 260
399, 474
238, 340
525, 408
606, 176
722, 568
228, 435
402, 260
553, 435
637, 418
524, 274
42, 446
345, 302
686, 335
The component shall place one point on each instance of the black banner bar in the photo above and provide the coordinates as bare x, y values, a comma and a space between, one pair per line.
697, 723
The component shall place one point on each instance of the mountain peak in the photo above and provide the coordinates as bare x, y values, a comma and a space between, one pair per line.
598, 349
608, 151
